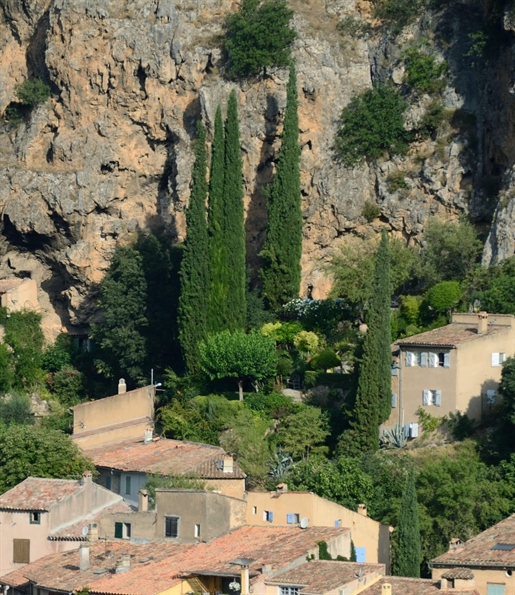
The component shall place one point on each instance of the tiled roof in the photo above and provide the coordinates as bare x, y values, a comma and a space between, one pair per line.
35, 493
276, 546
74, 532
164, 457
450, 335
61, 571
413, 586
478, 551
459, 573
319, 576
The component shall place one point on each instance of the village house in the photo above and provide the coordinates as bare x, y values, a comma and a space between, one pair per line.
17, 295
400, 585
45, 516
488, 559
453, 368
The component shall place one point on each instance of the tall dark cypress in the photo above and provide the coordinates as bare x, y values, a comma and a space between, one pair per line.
234, 233
219, 275
381, 304
194, 298
408, 554
283, 246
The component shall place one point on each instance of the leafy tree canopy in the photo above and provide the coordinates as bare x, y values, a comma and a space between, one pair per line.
372, 125
303, 432
38, 452
444, 296
258, 36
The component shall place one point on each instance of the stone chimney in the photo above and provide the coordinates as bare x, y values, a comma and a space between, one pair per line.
362, 509
386, 589
228, 464
266, 569
455, 545
148, 436
84, 556
122, 387
281, 488
143, 501
124, 564
93, 532
245, 584
87, 477
482, 323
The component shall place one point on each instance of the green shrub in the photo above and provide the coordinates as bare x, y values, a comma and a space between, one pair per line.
396, 14
429, 422
270, 405
444, 296
32, 92
396, 181
258, 36
67, 384
370, 211
16, 410
431, 120
423, 72
354, 27
372, 125
324, 360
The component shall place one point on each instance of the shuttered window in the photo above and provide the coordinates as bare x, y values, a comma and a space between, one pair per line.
21, 551
171, 526
495, 589
118, 530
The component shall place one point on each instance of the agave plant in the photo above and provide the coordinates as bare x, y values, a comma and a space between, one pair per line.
394, 438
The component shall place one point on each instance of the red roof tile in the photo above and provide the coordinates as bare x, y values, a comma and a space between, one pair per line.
450, 335
35, 493
413, 586
164, 457
478, 551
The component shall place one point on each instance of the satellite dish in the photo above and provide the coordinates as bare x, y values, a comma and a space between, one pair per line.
85, 530
304, 522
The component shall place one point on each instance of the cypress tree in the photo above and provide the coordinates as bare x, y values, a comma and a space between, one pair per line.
283, 246
234, 219
408, 551
381, 304
194, 301
219, 275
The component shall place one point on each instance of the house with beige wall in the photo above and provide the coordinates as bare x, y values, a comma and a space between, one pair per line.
45, 516
283, 508
488, 559
453, 368
17, 295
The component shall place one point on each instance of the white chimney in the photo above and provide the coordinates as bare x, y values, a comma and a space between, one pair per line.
228, 466
386, 589
143, 501
124, 564
482, 323
147, 437
122, 387
244, 580
84, 556
362, 509
93, 532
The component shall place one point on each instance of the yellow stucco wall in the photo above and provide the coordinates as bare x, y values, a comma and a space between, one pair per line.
482, 577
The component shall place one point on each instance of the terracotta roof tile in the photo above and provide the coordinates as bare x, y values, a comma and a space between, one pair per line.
35, 493
413, 586
459, 573
478, 551
450, 335
319, 576
164, 457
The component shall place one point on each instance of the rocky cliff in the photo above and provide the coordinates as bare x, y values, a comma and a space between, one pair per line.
110, 153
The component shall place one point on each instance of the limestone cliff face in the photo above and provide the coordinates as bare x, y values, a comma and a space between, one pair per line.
110, 153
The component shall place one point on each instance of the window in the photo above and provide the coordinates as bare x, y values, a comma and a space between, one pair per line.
268, 515
254, 510
21, 551
498, 359
171, 526
197, 530
490, 396
290, 518
35, 518
338, 523
108, 482
122, 530
444, 360
288, 590
417, 358
394, 400
127, 484
361, 554
431, 397
495, 588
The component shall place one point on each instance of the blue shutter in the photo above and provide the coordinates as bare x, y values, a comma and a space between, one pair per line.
394, 400
423, 360
290, 518
361, 554
271, 515
337, 523
495, 589
446, 360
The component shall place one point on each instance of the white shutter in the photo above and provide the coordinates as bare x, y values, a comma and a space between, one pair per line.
410, 359
426, 397
495, 359
438, 398
423, 360
394, 399
414, 430
433, 360
446, 360
502, 358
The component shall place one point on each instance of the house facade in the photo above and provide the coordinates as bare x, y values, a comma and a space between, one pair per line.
453, 368
39, 517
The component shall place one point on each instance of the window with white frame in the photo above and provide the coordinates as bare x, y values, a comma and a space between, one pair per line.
498, 359
197, 530
289, 590
416, 358
431, 397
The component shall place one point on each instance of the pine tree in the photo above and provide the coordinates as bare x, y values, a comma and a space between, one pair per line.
234, 219
408, 551
194, 297
283, 246
219, 274
381, 304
